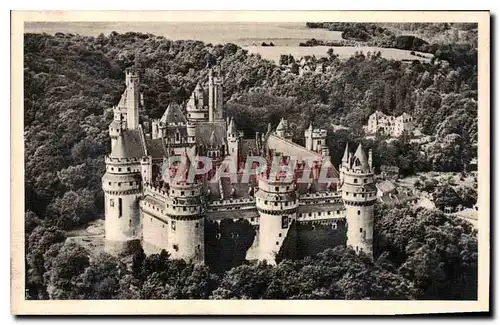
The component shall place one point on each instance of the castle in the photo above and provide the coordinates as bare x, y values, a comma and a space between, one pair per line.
192, 218
378, 122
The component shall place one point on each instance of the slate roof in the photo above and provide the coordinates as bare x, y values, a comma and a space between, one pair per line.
173, 114
156, 148
361, 156
204, 131
249, 147
128, 145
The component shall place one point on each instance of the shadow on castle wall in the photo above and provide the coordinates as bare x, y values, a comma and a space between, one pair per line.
227, 243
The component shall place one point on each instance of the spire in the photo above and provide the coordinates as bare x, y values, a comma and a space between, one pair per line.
311, 126
213, 139
345, 158
198, 87
281, 126
232, 127
360, 156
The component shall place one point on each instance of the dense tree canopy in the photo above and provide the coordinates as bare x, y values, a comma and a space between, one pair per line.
72, 81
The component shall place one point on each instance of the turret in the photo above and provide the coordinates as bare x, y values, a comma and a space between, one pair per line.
198, 91
122, 188
185, 214
233, 140
215, 97
155, 129
308, 135
131, 99
196, 109
370, 159
218, 98
116, 126
282, 130
211, 95
147, 169
277, 204
191, 132
176, 130
359, 195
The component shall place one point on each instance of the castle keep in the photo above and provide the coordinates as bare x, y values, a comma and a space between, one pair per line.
257, 216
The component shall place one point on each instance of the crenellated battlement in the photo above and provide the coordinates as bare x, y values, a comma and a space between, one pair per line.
110, 160
336, 194
316, 198
184, 185
242, 201
131, 76
154, 191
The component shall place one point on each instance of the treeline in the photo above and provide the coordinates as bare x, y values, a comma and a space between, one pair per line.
443, 40
71, 82
419, 254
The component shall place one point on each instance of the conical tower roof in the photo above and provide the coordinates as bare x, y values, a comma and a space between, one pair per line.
282, 125
345, 158
118, 150
232, 127
213, 139
361, 156
198, 87
173, 114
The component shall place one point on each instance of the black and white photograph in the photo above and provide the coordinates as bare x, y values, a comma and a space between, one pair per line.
328, 160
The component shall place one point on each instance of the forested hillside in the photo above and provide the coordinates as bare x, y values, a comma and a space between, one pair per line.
424, 37
72, 81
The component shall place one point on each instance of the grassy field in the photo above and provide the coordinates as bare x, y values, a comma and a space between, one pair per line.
344, 52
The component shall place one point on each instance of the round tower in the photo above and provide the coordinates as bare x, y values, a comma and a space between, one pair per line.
116, 126
233, 140
359, 195
122, 188
191, 133
277, 204
184, 213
